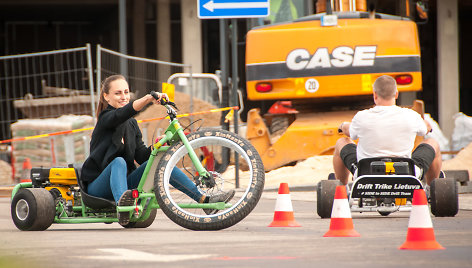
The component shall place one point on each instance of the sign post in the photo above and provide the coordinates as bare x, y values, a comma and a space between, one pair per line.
232, 9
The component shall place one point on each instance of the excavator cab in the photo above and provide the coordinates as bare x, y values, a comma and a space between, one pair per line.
319, 70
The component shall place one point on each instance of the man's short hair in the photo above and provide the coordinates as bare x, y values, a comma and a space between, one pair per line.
385, 87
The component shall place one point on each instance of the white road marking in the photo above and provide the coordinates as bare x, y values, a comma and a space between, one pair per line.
122, 254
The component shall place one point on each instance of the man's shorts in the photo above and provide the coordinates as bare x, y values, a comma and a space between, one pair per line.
423, 156
349, 156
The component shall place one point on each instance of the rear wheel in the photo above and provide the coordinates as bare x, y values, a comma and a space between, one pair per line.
325, 191
444, 197
143, 224
33, 209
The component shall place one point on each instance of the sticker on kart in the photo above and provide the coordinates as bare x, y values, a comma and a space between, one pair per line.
385, 186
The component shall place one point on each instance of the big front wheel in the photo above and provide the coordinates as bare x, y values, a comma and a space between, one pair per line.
219, 152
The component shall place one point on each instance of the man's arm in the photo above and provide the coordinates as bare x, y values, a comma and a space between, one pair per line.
344, 128
428, 126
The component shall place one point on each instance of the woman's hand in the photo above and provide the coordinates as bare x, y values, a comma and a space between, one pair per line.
139, 104
160, 96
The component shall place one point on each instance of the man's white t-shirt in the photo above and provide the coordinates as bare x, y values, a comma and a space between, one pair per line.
386, 131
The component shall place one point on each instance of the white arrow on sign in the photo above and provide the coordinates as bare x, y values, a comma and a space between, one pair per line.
235, 5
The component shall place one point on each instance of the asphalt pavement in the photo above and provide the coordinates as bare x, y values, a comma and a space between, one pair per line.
249, 243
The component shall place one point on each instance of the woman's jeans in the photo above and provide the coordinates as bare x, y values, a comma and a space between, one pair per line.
113, 182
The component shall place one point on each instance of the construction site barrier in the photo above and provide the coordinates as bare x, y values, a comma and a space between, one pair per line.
91, 128
58, 133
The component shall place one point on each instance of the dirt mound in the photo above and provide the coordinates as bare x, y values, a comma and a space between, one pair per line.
307, 172
182, 100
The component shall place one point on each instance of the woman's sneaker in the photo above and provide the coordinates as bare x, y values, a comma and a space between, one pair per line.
126, 199
221, 197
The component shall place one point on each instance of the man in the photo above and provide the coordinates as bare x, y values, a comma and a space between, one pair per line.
386, 130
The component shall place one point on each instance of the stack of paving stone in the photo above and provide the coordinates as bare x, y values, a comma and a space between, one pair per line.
49, 151
5, 173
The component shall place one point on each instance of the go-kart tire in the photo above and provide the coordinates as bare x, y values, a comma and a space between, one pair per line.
325, 191
33, 209
444, 197
143, 224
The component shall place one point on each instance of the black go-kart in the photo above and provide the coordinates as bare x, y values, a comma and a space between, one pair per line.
386, 185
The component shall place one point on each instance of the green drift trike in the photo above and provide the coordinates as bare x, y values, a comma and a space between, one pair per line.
208, 156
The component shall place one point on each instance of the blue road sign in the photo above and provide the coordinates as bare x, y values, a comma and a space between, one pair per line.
221, 9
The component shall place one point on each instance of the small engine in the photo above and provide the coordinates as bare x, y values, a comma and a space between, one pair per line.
61, 182
42, 177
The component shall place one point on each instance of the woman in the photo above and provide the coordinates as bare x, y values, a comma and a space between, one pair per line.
109, 172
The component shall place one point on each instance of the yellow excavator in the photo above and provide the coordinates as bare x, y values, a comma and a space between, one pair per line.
318, 71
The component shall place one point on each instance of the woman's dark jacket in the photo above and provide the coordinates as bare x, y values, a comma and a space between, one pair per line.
114, 126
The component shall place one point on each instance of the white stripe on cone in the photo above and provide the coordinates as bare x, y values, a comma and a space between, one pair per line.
341, 209
283, 203
420, 217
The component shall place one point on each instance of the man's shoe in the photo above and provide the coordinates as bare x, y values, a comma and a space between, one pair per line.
126, 199
427, 190
442, 174
221, 197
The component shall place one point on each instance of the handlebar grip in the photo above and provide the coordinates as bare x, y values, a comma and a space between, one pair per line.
154, 94
163, 100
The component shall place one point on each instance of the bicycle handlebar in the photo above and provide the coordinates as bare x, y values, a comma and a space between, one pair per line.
163, 101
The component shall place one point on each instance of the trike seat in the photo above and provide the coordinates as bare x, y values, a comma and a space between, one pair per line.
90, 200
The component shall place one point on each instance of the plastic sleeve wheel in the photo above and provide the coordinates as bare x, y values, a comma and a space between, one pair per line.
143, 224
444, 197
325, 191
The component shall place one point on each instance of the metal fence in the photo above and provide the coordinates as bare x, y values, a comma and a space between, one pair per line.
53, 91
45, 85
41, 93
143, 75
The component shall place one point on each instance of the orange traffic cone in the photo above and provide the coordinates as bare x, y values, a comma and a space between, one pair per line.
25, 173
283, 215
420, 228
341, 221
